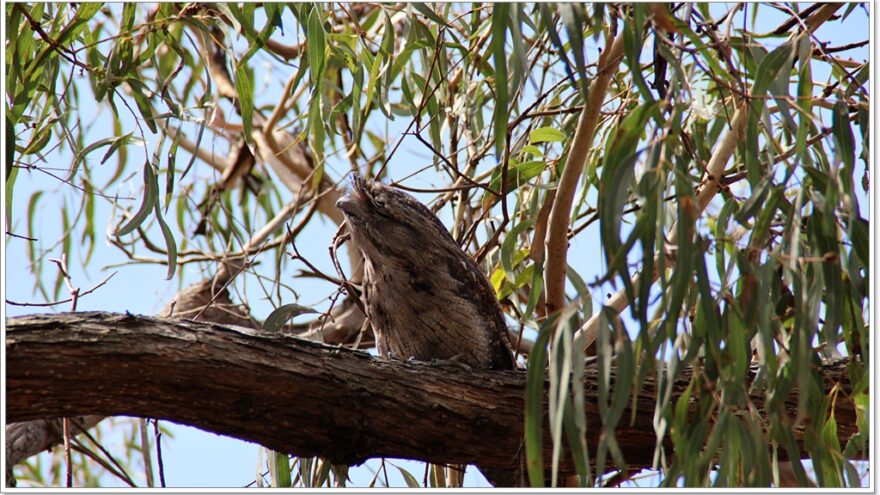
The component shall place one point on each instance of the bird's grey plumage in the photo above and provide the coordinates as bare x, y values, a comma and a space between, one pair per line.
425, 298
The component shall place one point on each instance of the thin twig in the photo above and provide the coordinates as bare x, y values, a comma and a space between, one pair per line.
65, 425
338, 239
82, 449
122, 474
463, 177
93, 289
158, 435
19, 236
65, 422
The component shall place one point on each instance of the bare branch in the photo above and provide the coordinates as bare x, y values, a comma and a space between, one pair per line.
557, 230
231, 386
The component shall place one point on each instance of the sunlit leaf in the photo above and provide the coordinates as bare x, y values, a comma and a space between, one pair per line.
546, 135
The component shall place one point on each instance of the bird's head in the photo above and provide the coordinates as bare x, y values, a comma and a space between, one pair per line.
387, 222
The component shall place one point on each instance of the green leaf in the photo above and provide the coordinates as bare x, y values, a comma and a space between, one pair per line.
546, 135
497, 279
536, 288
31, 211
387, 48
151, 195
575, 420
224, 8
244, 88
88, 233
141, 99
170, 173
316, 126
375, 64
280, 315
10, 150
409, 479
632, 47
573, 18
83, 15
66, 236
861, 242
582, 291
245, 18
280, 470
114, 143
426, 11
315, 45
128, 14
770, 67
721, 237
202, 125
122, 156
39, 140
533, 150
843, 137
534, 411
517, 176
11, 175
118, 143
170, 244
500, 15
507, 247
548, 24
617, 174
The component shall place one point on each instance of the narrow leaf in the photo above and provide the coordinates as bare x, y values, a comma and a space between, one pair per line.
500, 15
546, 135
282, 314
151, 194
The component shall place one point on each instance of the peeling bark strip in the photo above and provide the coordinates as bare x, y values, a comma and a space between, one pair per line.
297, 396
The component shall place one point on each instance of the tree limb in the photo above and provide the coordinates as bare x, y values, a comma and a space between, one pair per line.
301, 397
557, 230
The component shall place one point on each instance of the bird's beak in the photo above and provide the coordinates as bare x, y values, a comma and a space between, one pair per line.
355, 198
345, 203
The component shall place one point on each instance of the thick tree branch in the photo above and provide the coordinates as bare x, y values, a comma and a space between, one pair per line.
557, 230
297, 396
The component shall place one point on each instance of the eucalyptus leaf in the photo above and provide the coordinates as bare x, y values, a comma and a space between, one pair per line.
282, 314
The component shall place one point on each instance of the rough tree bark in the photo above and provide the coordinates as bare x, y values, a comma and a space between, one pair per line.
297, 396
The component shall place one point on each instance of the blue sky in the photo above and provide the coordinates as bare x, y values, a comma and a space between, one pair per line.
195, 458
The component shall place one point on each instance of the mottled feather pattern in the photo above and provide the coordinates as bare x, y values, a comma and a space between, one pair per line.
425, 298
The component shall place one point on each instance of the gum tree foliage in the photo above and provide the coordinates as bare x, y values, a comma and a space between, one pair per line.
720, 160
